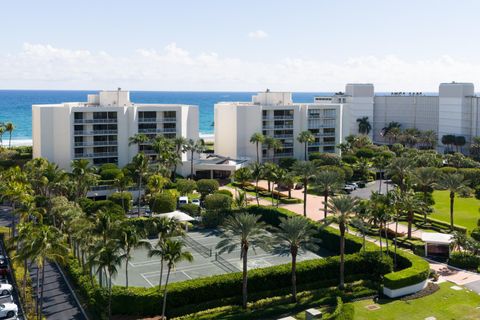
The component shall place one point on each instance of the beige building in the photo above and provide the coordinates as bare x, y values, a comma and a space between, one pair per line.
274, 114
99, 129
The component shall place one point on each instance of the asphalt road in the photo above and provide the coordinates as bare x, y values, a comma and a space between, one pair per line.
364, 193
59, 302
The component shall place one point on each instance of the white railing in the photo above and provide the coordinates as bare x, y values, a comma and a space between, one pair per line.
95, 121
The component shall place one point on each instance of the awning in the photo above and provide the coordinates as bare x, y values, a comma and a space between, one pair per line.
437, 238
177, 215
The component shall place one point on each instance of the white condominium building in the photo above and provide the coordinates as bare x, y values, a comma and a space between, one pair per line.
274, 114
99, 129
454, 110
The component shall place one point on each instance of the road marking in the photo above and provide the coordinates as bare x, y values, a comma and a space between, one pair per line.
186, 275
148, 281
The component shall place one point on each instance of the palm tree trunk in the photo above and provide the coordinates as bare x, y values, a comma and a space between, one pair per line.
305, 197
126, 272
380, 238
306, 151
386, 237
24, 283
161, 275
38, 291
10, 140
245, 279
139, 193
256, 191
380, 184
165, 294
109, 295
410, 218
273, 187
191, 165
43, 285
342, 256
294, 276
325, 204
452, 199
258, 158
395, 246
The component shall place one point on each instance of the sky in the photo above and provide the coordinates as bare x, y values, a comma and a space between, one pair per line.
214, 45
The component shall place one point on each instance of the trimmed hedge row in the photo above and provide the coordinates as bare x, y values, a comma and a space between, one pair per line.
413, 270
225, 289
328, 235
438, 225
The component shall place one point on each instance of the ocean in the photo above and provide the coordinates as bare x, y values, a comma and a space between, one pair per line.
16, 105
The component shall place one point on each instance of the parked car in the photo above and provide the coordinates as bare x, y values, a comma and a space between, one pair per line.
299, 186
353, 185
182, 201
348, 188
5, 289
3, 266
196, 201
8, 310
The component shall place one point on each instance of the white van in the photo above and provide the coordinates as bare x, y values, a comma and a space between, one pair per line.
182, 201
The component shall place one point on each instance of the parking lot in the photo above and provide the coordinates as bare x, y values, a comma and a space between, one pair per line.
145, 272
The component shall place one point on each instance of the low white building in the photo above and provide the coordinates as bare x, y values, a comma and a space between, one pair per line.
274, 114
99, 129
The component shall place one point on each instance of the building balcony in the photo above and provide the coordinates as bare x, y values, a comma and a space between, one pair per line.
157, 120
283, 136
164, 130
94, 132
77, 121
96, 143
95, 155
284, 117
278, 127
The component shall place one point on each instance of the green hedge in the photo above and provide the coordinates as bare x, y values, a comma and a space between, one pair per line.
438, 225
413, 270
220, 290
464, 260
328, 235
290, 200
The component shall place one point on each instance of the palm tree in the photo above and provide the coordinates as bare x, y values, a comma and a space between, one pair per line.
138, 139
400, 169
257, 169
122, 182
2, 131
288, 181
273, 144
380, 162
364, 126
306, 137
179, 143
241, 200
257, 138
130, 238
305, 170
242, 176
244, 230
83, 174
343, 208
193, 147
327, 182
173, 254
410, 204
47, 244
108, 257
9, 127
454, 183
296, 233
425, 179
140, 162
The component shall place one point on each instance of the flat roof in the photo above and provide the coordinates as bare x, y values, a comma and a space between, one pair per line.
437, 238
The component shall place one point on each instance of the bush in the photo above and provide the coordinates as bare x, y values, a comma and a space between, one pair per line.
414, 270
350, 159
225, 192
207, 186
326, 159
218, 201
122, 199
185, 186
190, 209
365, 153
110, 174
91, 207
212, 218
290, 200
336, 313
222, 290
464, 260
163, 203
286, 163
476, 233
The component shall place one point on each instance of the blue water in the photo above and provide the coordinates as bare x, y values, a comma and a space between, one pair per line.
16, 105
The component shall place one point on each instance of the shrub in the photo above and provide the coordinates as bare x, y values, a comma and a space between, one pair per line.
475, 234
365, 153
110, 174
122, 198
325, 159
207, 186
185, 186
213, 218
221, 290
336, 313
338, 170
286, 163
163, 203
464, 260
350, 159
225, 192
91, 207
190, 209
218, 201
290, 200
414, 270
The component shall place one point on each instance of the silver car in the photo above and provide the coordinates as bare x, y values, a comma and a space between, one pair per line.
8, 310
5, 289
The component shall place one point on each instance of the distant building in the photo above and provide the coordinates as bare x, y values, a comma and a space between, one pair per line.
99, 129
275, 115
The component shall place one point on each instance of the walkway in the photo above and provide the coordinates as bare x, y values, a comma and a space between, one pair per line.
58, 303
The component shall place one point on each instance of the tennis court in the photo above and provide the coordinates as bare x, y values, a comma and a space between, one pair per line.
145, 272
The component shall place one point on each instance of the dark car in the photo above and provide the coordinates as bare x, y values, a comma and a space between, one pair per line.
3, 266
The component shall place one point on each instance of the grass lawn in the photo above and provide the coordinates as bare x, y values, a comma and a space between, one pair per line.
465, 211
446, 303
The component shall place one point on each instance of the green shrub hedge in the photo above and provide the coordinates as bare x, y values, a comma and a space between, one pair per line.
413, 270
464, 260
290, 200
197, 294
438, 225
